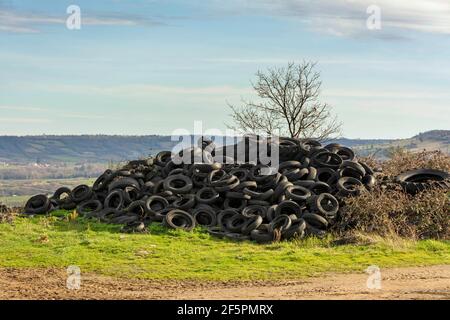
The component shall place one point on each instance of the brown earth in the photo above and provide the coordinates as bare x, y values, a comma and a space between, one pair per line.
400, 283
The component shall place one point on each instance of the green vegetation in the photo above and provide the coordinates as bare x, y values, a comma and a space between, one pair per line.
60, 241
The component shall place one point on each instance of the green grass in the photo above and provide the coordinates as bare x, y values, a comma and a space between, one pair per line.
163, 254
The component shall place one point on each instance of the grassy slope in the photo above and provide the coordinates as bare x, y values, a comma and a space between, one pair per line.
163, 254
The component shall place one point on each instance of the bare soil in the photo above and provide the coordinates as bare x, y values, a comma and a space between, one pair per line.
400, 283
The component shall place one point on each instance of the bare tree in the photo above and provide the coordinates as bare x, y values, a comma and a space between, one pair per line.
289, 101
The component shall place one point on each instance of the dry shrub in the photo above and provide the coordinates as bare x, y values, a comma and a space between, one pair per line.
6, 214
402, 161
389, 211
395, 213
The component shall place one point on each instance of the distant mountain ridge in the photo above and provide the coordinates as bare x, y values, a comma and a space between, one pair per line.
115, 148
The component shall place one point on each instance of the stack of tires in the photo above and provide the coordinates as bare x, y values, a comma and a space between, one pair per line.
239, 201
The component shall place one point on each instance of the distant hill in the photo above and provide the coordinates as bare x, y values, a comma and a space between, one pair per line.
103, 149
429, 141
75, 149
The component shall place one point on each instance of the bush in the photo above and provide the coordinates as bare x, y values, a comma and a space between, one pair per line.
393, 212
390, 211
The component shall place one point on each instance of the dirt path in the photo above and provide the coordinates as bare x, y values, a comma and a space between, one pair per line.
402, 283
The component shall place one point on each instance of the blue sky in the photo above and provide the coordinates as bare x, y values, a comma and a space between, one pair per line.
149, 67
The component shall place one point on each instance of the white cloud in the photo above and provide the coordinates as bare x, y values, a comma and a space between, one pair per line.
25, 22
23, 120
348, 17
20, 108
386, 94
146, 89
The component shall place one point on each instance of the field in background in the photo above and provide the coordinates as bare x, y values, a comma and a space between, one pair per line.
57, 241
16, 192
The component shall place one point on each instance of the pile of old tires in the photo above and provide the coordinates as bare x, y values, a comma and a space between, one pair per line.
237, 201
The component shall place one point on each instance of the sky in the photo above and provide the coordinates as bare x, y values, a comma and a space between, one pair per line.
152, 66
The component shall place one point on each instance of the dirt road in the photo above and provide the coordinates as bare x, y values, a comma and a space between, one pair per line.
402, 283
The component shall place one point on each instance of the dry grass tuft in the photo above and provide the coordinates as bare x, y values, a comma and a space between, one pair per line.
6, 214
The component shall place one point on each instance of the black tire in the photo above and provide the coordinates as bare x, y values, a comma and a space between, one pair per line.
179, 219
69, 205
115, 200
264, 236
57, 196
369, 182
235, 223
250, 185
288, 207
205, 216
415, 181
89, 207
349, 186
185, 202
327, 175
155, 204
333, 160
178, 184
107, 214
224, 216
353, 166
81, 193
234, 182
255, 210
298, 193
137, 208
234, 203
206, 195
102, 181
324, 204
122, 183
315, 220
251, 224
320, 187
368, 169
163, 158
281, 189
345, 153
258, 195
39, 204
296, 230
240, 173
304, 183
282, 222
